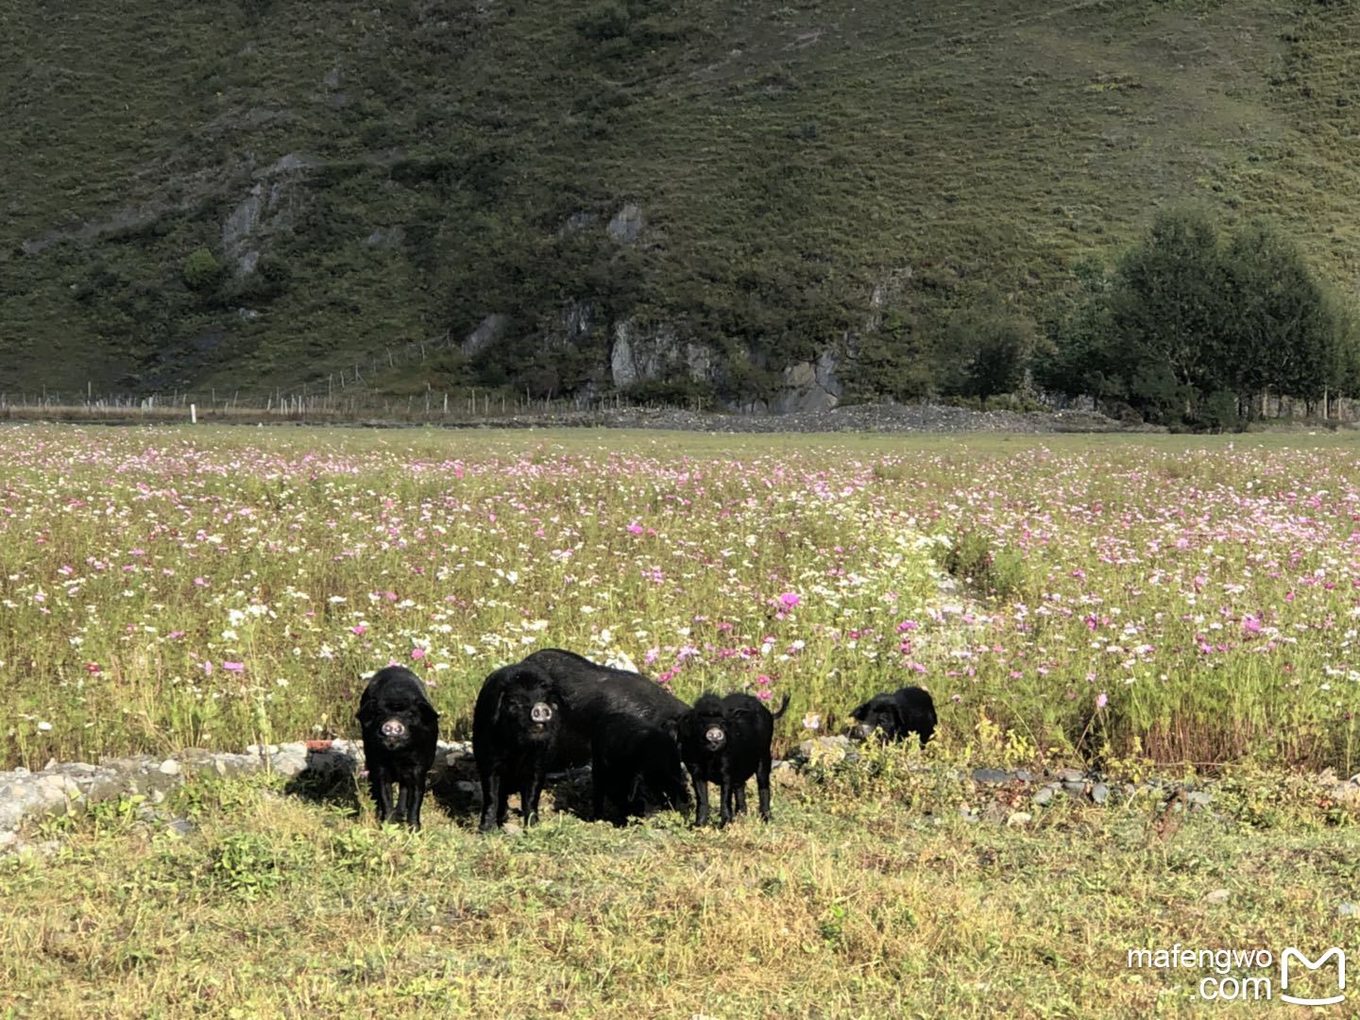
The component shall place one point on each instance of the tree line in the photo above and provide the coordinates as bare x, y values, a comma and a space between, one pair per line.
1195, 327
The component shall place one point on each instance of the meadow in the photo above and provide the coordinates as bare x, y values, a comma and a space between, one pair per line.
1145, 605
1162, 599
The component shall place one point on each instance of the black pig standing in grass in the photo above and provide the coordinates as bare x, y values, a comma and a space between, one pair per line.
400, 732
590, 691
629, 757
894, 716
726, 741
511, 747
516, 725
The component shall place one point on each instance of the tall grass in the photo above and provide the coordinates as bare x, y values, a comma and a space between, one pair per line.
167, 587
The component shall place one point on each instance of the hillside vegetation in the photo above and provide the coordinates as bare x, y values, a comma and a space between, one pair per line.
258, 194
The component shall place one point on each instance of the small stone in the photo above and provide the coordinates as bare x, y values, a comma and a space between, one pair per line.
180, 827
157, 796
990, 776
1218, 896
823, 749
169, 767
1072, 775
1100, 793
465, 786
1019, 818
1198, 799
1024, 775
289, 761
1044, 795
1074, 785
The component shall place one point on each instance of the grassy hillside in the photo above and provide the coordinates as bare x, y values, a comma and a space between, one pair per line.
425, 163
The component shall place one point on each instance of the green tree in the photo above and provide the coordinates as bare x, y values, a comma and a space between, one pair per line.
1192, 328
1285, 334
993, 344
1168, 304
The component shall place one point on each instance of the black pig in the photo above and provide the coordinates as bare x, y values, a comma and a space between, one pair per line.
516, 724
629, 757
894, 716
726, 741
400, 732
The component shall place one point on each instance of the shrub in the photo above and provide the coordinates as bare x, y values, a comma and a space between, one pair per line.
603, 22
202, 271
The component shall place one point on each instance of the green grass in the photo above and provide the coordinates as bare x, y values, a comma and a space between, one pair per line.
1161, 599
859, 899
787, 159
131, 557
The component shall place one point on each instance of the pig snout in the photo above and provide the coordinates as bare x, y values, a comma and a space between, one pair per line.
541, 712
715, 737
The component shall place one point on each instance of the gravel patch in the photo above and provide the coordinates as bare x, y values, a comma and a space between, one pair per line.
890, 417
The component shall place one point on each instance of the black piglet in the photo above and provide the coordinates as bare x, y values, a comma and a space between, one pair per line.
400, 731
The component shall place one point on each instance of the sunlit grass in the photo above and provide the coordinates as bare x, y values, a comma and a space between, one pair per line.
868, 895
1183, 600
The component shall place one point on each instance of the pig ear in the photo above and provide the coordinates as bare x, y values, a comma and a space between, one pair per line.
428, 715
365, 712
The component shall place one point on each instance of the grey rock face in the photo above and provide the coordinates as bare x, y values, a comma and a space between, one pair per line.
386, 237
268, 208
626, 224
640, 354
488, 331
810, 386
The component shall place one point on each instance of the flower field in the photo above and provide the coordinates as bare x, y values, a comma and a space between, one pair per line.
1151, 597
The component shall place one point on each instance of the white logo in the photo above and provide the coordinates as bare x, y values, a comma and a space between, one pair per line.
1308, 964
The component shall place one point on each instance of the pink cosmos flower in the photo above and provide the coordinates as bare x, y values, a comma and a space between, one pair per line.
234, 667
